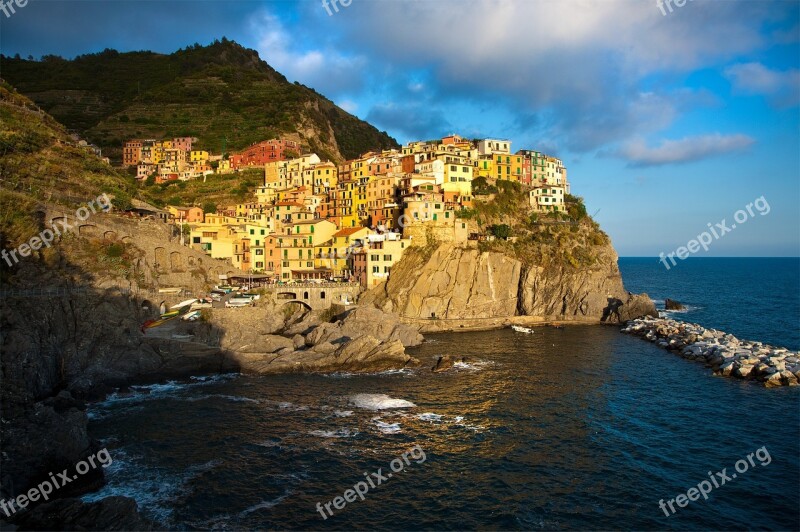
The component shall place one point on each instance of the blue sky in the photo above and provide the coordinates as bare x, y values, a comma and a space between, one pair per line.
665, 122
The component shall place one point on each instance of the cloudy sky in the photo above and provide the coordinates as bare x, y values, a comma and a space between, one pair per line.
666, 120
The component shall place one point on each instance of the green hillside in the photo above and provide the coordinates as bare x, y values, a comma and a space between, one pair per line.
223, 94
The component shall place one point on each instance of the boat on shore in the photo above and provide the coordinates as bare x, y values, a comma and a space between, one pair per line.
521, 329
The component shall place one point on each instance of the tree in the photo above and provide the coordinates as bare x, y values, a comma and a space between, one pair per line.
501, 231
209, 207
151, 180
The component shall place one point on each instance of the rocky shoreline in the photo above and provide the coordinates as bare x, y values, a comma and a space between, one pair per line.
724, 353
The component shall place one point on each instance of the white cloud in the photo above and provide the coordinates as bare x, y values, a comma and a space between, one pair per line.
781, 87
683, 150
326, 71
579, 62
348, 105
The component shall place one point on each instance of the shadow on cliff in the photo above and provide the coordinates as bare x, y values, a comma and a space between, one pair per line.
611, 312
65, 341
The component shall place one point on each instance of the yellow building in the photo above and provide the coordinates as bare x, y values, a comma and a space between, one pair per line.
224, 167
502, 165
334, 254
485, 167
296, 246
373, 264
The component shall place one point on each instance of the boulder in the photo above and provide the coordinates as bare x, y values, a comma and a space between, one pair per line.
671, 304
366, 321
443, 363
775, 379
298, 341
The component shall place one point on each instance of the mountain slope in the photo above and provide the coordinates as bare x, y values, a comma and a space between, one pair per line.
223, 94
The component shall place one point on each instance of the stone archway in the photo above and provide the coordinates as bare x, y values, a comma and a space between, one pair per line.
176, 262
161, 258
88, 230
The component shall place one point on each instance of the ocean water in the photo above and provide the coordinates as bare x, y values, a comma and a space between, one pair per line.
580, 428
751, 298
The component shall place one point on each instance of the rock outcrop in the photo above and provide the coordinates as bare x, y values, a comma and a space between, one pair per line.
671, 304
456, 287
365, 340
726, 354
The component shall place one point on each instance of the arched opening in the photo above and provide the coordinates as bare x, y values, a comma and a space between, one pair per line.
305, 295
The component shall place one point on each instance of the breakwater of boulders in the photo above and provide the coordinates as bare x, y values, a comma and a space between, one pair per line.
724, 353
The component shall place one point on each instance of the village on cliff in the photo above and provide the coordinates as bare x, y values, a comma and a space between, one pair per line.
314, 220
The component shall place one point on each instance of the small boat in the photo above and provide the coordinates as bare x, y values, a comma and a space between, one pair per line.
191, 316
170, 314
183, 304
521, 329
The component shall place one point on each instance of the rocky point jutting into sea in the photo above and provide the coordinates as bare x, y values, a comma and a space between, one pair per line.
726, 354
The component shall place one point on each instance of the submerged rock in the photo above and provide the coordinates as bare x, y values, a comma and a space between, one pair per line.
671, 304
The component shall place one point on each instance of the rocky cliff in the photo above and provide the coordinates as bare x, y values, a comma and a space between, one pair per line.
456, 287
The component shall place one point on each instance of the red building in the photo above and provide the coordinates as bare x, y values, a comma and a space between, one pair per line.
263, 153
132, 152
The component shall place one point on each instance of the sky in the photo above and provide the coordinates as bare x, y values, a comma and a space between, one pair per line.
668, 117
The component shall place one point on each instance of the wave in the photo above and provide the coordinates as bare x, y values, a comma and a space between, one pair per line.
387, 428
156, 491
475, 365
430, 416
338, 433
148, 392
379, 401
265, 505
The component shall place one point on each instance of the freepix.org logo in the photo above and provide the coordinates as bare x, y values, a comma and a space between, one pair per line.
8, 6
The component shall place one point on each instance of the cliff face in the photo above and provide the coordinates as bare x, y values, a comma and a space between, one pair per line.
456, 287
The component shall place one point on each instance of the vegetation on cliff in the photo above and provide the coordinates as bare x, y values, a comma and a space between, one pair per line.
223, 94
558, 238
41, 164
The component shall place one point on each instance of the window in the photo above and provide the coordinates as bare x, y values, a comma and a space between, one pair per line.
259, 264
386, 269
286, 264
387, 258
259, 252
374, 258
376, 269
196, 240
322, 295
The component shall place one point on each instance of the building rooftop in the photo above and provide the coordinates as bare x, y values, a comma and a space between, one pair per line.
347, 231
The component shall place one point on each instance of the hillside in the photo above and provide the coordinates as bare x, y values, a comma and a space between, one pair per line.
557, 267
223, 94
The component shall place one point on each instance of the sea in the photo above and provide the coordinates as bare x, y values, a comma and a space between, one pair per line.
581, 428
